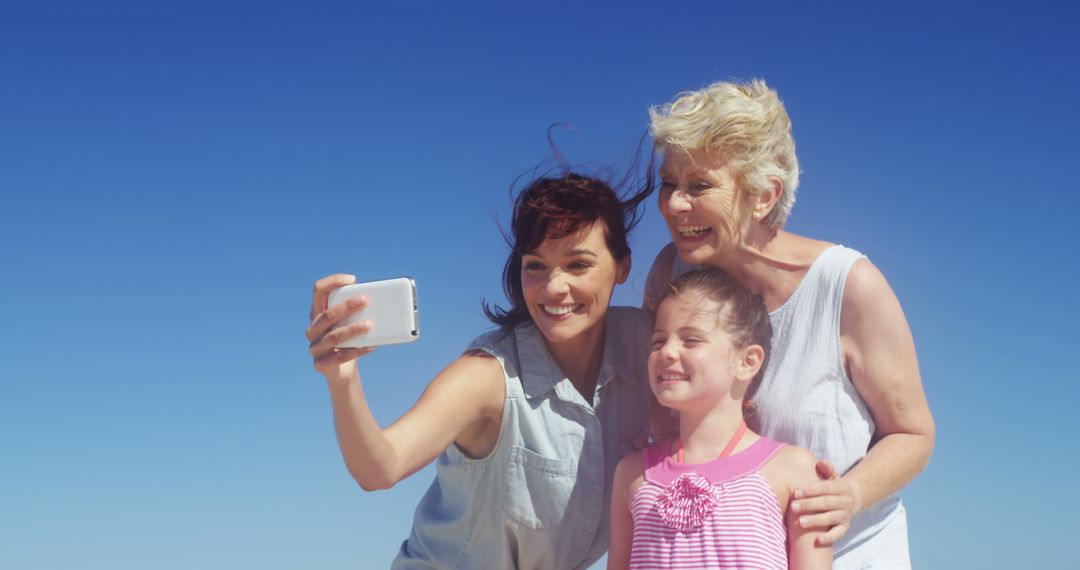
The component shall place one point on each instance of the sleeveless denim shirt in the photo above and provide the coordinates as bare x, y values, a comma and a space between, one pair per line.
541, 498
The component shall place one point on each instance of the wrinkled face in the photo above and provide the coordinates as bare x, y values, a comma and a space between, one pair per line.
567, 283
699, 202
693, 362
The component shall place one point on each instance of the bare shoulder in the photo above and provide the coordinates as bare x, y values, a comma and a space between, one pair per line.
664, 262
791, 467
484, 367
659, 275
797, 463
865, 285
666, 256
476, 376
629, 474
630, 464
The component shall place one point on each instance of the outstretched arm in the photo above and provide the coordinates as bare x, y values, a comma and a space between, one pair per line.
880, 358
457, 405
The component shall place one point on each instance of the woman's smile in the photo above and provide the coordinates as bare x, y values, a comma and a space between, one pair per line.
561, 311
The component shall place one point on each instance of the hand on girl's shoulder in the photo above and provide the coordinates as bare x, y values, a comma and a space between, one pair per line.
790, 468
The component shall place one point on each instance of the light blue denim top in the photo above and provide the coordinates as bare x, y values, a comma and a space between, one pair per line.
541, 498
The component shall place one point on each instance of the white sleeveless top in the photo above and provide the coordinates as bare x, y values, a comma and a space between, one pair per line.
806, 398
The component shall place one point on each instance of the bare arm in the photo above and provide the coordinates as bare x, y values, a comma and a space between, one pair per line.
467, 392
793, 467
464, 398
880, 358
622, 522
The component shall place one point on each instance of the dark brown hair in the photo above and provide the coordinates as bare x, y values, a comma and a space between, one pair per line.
742, 314
555, 207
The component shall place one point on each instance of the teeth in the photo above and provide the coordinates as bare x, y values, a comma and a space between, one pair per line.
693, 231
559, 309
674, 377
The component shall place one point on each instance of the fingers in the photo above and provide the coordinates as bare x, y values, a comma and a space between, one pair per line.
825, 469
824, 504
329, 318
341, 356
328, 342
323, 287
824, 520
827, 487
833, 535
821, 506
322, 337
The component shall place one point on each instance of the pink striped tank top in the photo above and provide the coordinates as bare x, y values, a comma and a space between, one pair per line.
721, 514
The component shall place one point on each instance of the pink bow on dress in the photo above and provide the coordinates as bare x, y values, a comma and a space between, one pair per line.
687, 502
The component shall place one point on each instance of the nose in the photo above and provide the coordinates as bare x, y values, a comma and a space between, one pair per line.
677, 202
668, 353
556, 284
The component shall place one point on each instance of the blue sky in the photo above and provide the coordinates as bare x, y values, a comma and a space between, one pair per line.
174, 176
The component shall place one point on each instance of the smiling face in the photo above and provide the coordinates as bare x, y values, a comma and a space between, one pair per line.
700, 201
693, 362
567, 283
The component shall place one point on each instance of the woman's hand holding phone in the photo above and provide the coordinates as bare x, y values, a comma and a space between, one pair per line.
337, 364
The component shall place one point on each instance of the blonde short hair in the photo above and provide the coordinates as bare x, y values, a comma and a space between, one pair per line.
745, 121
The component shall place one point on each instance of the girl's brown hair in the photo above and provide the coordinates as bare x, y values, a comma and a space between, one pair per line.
742, 314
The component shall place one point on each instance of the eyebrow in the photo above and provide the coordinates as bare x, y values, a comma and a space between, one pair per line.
571, 253
694, 173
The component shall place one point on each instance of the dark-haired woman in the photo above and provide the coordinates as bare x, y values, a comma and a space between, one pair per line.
528, 425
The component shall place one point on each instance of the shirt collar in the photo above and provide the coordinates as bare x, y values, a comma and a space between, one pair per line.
539, 371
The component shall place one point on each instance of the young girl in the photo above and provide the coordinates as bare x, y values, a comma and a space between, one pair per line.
717, 496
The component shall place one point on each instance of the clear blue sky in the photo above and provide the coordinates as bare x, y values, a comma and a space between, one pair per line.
174, 176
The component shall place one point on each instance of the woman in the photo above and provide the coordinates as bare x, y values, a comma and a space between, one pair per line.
528, 425
843, 381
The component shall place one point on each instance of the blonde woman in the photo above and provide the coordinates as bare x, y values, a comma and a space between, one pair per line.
843, 380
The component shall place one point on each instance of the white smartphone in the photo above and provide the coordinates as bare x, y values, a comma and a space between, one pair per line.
392, 310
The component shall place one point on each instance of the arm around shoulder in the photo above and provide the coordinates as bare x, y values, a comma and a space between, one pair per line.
881, 361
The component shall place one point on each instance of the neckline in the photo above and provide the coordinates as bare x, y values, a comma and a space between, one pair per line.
732, 442
661, 469
814, 266
540, 374
671, 463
